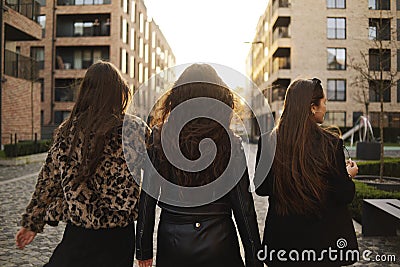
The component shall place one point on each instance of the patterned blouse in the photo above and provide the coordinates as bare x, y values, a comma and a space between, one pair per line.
109, 199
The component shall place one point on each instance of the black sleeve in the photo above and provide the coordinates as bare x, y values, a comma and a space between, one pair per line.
147, 207
263, 177
341, 186
246, 219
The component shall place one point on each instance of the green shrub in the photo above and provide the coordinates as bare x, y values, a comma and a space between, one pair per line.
391, 167
364, 191
24, 148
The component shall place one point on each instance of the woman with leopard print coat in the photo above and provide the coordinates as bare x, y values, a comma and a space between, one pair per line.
86, 181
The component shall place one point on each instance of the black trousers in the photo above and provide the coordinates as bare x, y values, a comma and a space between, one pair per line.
98, 248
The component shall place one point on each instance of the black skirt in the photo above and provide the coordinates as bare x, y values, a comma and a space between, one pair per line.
184, 241
98, 248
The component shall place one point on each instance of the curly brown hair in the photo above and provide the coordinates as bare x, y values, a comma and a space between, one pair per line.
198, 80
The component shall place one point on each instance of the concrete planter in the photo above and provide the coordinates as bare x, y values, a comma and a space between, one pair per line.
23, 159
392, 184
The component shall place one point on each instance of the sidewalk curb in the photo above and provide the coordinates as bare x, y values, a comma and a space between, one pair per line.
41, 157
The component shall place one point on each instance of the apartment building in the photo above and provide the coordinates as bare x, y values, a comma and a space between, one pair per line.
77, 33
159, 58
306, 38
19, 89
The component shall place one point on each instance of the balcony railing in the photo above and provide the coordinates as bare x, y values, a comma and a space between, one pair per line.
67, 63
84, 29
280, 32
28, 8
280, 63
20, 66
82, 2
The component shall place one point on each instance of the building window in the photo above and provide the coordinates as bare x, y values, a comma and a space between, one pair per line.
41, 81
153, 60
132, 68
379, 29
153, 39
42, 23
42, 2
336, 3
336, 58
123, 61
125, 31
83, 2
379, 60
398, 29
37, 53
147, 31
336, 89
41, 117
140, 72
60, 116
133, 38
79, 57
390, 119
398, 91
141, 47
398, 59
398, 4
133, 12
125, 5
66, 90
374, 88
146, 53
336, 118
336, 28
84, 28
141, 22
379, 4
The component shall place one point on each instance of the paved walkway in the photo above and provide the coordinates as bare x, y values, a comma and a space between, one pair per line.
15, 194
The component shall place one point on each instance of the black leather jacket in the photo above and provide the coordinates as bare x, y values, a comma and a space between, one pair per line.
239, 200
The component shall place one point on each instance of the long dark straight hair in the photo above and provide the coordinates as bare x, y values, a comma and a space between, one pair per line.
304, 152
99, 109
198, 80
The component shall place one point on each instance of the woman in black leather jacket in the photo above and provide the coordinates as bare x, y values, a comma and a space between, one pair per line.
194, 232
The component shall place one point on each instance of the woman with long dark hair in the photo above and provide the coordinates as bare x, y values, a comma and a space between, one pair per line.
309, 185
198, 235
85, 180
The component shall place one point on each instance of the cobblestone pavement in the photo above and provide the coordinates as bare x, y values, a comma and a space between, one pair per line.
9, 172
15, 194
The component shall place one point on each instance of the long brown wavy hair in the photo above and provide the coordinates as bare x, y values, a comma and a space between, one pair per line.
198, 80
99, 110
304, 152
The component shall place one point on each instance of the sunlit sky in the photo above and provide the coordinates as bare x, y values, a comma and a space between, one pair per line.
208, 30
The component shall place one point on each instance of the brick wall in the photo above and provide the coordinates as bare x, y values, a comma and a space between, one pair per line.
17, 109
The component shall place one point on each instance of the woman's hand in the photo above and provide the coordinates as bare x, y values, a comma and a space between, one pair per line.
352, 168
24, 237
145, 263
